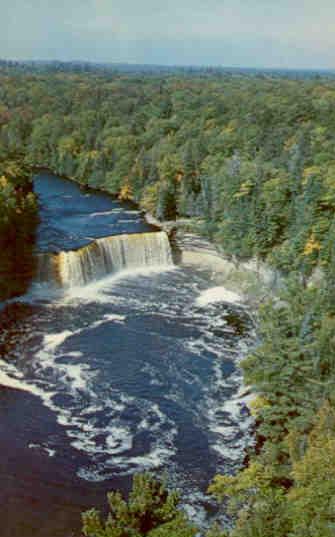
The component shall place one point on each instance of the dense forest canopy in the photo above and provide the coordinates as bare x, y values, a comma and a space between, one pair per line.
205, 147
250, 160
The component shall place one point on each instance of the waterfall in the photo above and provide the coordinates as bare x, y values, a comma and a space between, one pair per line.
108, 255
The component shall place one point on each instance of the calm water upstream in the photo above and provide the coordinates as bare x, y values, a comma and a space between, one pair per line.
126, 372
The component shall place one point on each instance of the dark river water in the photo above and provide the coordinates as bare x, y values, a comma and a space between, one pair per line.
136, 371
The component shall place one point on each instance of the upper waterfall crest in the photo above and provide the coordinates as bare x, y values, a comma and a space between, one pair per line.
108, 255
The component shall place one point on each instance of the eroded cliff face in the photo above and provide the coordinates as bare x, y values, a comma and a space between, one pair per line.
252, 280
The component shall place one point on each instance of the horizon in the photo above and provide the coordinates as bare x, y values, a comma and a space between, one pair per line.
98, 62
233, 33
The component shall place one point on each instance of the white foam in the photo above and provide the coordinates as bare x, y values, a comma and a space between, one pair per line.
77, 376
75, 354
218, 294
116, 440
153, 460
49, 451
98, 291
92, 409
109, 318
9, 382
103, 213
11, 378
102, 427
46, 358
92, 475
196, 510
120, 439
52, 341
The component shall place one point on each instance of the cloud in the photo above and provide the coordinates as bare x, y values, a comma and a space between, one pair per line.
231, 32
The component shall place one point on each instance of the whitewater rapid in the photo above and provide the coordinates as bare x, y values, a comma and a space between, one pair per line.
127, 417
135, 362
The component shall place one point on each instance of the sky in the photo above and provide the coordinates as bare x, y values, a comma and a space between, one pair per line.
235, 33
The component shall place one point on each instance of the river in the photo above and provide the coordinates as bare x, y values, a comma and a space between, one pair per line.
114, 362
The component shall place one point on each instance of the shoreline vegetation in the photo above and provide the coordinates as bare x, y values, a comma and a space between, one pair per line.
250, 159
18, 222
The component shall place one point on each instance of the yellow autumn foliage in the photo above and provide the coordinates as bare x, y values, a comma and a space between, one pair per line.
3, 182
125, 192
312, 245
258, 404
310, 172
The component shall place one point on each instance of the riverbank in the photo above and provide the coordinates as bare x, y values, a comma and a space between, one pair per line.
159, 363
251, 281
18, 223
283, 335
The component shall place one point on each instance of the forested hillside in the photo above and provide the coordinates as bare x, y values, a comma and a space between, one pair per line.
203, 147
18, 219
251, 160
